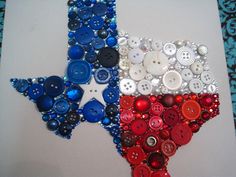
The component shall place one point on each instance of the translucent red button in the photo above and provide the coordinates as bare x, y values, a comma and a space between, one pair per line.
135, 155
139, 126
126, 116
126, 102
191, 110
168, 148
181, 134
156, 123
141, 171
171, 117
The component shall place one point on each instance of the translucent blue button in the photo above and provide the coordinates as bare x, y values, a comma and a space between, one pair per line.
100, 9
21, 85
93, 111
84, 35
54, 86
74, 93
91, 57
79, 71
61, 106
98, 43
85, 13
102, 75
110, 95
35, 91
111, 41
44, 103
96, 22
75, 52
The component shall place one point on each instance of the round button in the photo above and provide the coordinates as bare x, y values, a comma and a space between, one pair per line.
157, 45
187, 74
73, 118
108, 57
79, 72
171, 117
126, 102
191, 110
169, 49
75, 52
74, 93
52, 124
160, 173
96, 22
102, 33
110, 95
134, 42
135, 155
136, 55
181, 134
123, 50
172, 80
142, 104
155, 123
202, 50
73, 24
168, 148
156, 160
65, 129
102, 75
98, 43
35, 91
54, 86
99, 9
185, 56
44, 103
145, 87
197, 68
124, 64
21, 85
156, 63
196, 86
207, 77
156, 108
111, 41
84, 13
168, 100
122, 41
137, 72
84, 35
93, 111
127, 86
139, 127
126, 116
61, 106
128, 140
112, 110
141, 171
91, 57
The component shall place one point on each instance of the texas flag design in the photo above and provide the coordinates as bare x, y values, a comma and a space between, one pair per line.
149, 95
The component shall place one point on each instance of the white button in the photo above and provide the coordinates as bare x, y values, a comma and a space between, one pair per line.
136, 55
127, 86
202, 50
207, 77
149, 76
134, 42
121, 33
196, 86
155, 82
197, 68
211, 88
185, 56
122, 41
172, 80
124, 64
145, 87
187, 74
156, 63
157, 45
169, 49
123, 50
137, 72
145, 45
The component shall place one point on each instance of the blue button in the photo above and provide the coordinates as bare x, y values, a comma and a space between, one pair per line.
98, 43
74, 24
65, 130
111, 41
96, 22
52, 124
102, 75
84, 35
99, 9
44, 103
93, 111
112, 110
76, 52
61, 106
85, 13
35, 91
21, 85
110, 95
106, 121
79, 72
114, 131
74, 93
54, 86
91, 57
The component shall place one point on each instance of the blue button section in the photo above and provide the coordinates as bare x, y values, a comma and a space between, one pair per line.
35, 91
52, 124
74, 93
84, 35
100, 9
110, 95
98, 43
61, 106
44, 103
76, 52
91, 57
54, 86
85, 13
102, 75
96, 22
93, 111
21, 85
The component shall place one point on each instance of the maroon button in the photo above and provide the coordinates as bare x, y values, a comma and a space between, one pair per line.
135, 155
128, 140
168, 100
141, 171
142, 104
126, 102
160, 173
139, 126
156, 160
168, 148
171, 117
181, 134
150, 142
156, 108
155, 123
126, 116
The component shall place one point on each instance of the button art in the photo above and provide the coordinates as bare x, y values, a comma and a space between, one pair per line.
187, 74
141, 171
35, 91
126, 116
196, 86
102, 75
135, 155
197, 68
156, 123
54, 86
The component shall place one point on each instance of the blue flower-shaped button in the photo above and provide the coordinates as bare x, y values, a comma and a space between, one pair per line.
110, 95
84, 35
54, 86
61, 106
102, 75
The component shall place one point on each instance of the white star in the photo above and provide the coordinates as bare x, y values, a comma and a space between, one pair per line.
92, 90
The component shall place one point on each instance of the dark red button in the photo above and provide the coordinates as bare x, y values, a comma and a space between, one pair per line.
141, 171
156, 108
168, 100
156, 160
126, 102
150, 142
139, 126
171, 117
135, 155
168, 148
155, 123
181, 134
126, 116
191, 110
142, 104
128, 140
160, 173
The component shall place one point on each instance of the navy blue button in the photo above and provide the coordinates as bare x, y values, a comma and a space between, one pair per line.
73, 118
98, 43
84, 35
35, 91
111, 41
21, 85
113, 82
44, 103
76, 52
52, 124
99, 9
85, 13
73, 24
65, 129
96, 22
79, 72
114, 131
112, 110
108, 57
72, 14
74, 93
91, 57
102, 75
61, 106
102, 33
106, 121
110, 95
93, 111
54, 86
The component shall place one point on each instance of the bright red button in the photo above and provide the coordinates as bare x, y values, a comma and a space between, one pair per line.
168, 148
191, 110
181, 134
160, 173
141, 171
139, 126
157, 108
155, 123
171, 117
126, 116
142, 104
135, 155
126, 102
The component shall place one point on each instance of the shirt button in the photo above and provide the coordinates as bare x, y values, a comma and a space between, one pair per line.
155, 123
102, 75
160, 173
197, 68
61, 106
112, 110
73, 118
181, 134
139, 127
141, 171
96, 22
171, 117
196, 86
156, 160
21, 85
111, 41
134, 42
44, 103
126, 102
156, 108
202, 50
35, 91
187, 74
54, 86
122, 41
124, 64
145, 87
168, 148
99, 9
191, 110
128, 140
136, 55
185, 56
74, 93
75, 52
137, 72
127, 86
108, 57
126, 116
169, 49
135, 155
110, 95
207, 77
172, 80
84, 35
156, 63
156, 45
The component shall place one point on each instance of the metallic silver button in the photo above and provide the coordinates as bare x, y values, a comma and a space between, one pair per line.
151, 141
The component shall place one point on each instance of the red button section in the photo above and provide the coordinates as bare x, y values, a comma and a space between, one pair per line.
141, 171
126, 102
160, 173
171, 117
191, 110
135, 155
181, 134
139, 127
156, 123
126, 116
168, 148
156, 108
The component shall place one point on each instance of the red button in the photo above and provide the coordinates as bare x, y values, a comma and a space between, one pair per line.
171, 117
161, 173
128, 140
156, 160
168, 148
135, 155
150, 142
139, 127
142, 104
155, 123
126, 102
141, 171
191, 110
181, 134
157, 108
126, 116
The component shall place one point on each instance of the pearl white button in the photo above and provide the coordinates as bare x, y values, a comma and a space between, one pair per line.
156, 63
122, 41
144, 87
172, 80
157, 45
197, 68
211, 88
169, 49
185, 56
207, 77
124, 64
202, 50
148, 76
123, 50
137, 72
136, 55
127, 86
187, 74
134, 42
196, 86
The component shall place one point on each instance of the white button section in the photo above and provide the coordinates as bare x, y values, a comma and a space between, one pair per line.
144, 87
156, 63
137, 72
123, 50
169, 49
185, 56
196, 86
136, 55
187, 74
156, 45
127, 86
197, 68
207, 77
124, 64
202, 50
172, 80
134, 42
